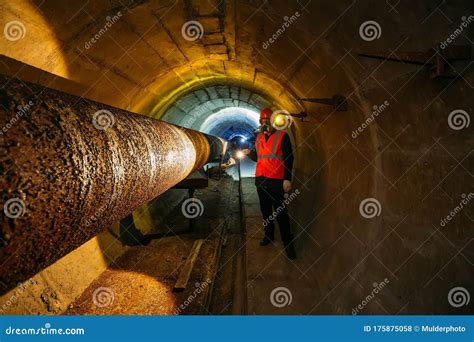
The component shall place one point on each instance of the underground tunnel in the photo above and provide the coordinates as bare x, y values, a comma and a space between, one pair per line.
125, 189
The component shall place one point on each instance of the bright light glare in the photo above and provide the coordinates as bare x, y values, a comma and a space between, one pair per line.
239, 154
279, 120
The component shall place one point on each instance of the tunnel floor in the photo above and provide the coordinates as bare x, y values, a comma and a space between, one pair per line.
232, 274
268, 269
141, 281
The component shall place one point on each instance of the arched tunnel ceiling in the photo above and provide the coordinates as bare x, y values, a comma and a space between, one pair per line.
133, 54
213, 98
230, 122
230, 107
140, 52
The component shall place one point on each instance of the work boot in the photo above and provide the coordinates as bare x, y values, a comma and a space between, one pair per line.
290, 251
266, 241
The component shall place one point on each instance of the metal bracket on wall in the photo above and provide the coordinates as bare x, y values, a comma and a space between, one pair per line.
438, 59
300, 115
338, 102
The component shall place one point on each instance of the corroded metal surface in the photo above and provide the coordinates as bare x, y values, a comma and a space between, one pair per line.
70, 167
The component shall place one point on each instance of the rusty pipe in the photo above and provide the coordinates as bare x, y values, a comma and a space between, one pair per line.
71, 167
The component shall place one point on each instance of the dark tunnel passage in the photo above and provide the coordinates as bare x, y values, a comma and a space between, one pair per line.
379, 127
229, 112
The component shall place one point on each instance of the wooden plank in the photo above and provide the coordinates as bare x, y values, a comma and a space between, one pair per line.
188, 267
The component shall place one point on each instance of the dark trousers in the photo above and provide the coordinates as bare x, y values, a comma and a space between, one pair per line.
273, 208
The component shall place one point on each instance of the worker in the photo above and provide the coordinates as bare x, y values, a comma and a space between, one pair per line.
274, 156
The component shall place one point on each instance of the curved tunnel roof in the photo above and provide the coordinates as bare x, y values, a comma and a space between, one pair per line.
134, 55
223, 110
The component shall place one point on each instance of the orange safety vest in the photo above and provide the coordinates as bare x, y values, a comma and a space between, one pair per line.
270, 156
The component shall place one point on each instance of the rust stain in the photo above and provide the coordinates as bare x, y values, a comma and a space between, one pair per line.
76, 172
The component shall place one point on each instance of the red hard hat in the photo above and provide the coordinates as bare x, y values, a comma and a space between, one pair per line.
266, 113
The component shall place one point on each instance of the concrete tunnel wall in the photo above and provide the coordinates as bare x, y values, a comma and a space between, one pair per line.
409, 159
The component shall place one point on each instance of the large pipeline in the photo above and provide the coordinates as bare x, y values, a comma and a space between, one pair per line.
70, 167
